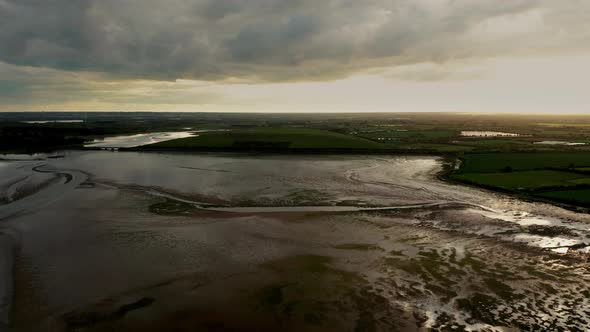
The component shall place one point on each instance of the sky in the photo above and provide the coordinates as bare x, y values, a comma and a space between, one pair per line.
295, 55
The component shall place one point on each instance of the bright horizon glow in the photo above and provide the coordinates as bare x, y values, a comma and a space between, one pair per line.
526, 85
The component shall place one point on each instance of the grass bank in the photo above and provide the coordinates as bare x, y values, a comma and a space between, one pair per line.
268, 139
554, 176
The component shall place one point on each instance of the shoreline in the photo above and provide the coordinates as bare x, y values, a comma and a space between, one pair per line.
449, 160
271, 151
449, 167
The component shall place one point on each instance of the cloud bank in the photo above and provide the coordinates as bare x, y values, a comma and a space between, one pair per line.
278, 40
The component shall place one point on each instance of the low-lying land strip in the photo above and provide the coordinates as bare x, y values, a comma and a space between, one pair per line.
277, 139
558, 176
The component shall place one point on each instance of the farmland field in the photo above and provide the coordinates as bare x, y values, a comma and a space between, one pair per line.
526, 179
270, 138
409, 134
493, 162
573, 196
557, 176
490, 142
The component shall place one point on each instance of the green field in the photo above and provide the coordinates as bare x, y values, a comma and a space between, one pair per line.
494, 162
493, 142
529, 180
581, 196
409, 134
270, 138
440, 148
551, 175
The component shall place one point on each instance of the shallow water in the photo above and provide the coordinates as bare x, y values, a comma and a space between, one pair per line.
89, 239
131, 141
559, 143
488, 134
238, 179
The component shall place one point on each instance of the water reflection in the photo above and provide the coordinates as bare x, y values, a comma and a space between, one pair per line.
130, 141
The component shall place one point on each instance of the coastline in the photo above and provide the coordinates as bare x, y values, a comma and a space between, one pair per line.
451, 162
285, 151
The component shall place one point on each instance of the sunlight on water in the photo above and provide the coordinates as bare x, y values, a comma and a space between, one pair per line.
130, 141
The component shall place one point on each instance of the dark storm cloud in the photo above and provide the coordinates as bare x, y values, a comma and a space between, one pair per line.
255, 39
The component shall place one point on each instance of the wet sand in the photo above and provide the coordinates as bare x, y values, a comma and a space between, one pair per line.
151, 242
6, 279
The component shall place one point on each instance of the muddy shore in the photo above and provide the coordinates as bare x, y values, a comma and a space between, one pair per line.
143, 242
7, 254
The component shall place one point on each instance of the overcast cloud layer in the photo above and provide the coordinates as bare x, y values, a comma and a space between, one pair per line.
124, 51
278, 39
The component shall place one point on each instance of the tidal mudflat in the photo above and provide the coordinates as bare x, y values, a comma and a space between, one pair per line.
126, 241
